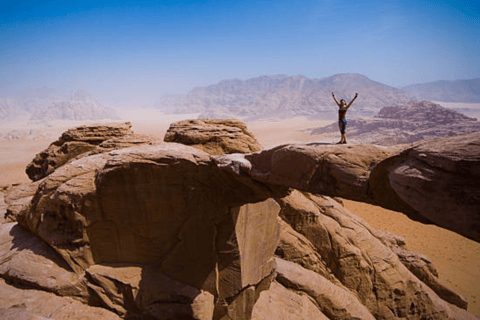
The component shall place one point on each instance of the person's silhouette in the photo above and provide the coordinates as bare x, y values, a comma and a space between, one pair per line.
342, 116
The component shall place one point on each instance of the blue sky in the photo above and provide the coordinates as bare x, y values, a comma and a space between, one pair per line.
129, 53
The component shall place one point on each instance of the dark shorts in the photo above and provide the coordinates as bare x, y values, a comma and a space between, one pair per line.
342, 125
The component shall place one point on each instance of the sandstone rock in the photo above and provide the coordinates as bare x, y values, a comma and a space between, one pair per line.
18, 312
18, 303
364, 264
3, 207
142, 291
18, 200
334, 302
437, 179
27, 260
168, 231
282, 304
294, 247
214, 136
151, 204
72, 143
318, 168
245, 245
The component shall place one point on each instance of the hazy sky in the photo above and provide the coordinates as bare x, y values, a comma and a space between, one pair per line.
132, 52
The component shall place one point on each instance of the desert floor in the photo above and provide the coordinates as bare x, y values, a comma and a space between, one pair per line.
456, 258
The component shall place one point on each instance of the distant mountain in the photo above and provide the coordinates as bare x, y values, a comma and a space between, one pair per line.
8, 109
284, 96
448, 91
81, 106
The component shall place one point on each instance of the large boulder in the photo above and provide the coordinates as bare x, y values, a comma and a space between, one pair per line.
72, 143
26, 260
168, 205
373, 264
27, 303
439, 179
214, 136
334, 170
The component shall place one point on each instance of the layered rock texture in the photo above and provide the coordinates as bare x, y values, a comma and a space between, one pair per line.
407, 123
77, 141
161, 230
214, 136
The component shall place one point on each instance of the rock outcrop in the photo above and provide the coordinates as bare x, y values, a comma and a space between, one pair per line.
77, 141
214, 136
166, 231
436, 181
406, 124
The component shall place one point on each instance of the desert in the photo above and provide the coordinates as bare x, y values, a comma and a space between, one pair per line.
195, 160
454, 256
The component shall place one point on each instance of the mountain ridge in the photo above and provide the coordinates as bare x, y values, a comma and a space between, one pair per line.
447, 90
282, 96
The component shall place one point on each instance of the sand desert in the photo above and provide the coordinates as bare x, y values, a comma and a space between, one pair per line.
456, 258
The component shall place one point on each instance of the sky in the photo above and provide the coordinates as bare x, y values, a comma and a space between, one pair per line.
130, 53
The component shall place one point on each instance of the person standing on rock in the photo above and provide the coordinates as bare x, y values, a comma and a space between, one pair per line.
342, 116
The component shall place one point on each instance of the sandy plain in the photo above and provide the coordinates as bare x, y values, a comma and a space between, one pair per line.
456, 258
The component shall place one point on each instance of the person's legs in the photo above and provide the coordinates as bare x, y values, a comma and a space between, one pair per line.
343, 126
342, 131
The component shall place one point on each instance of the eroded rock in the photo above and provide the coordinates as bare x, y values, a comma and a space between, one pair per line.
333, 170
72, 143
440, 180
27, 260
215, 136
167, 231
23, 303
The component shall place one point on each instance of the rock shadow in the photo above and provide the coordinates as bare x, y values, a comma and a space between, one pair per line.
23, 239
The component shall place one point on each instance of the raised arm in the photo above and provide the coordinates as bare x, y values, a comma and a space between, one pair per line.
356, 95
336, 101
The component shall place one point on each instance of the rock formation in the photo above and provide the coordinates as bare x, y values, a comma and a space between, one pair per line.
74, 142
405, 124
435, 180
214, 136
161, 230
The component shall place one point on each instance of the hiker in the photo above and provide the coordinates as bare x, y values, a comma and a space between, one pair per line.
342, 116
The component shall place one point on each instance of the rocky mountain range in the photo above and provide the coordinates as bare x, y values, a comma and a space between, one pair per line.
405, 124
284, 96
80, 106
121, 226
447, 91
44, 106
